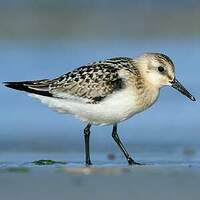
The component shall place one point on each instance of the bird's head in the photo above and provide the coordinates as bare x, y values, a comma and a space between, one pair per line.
159, 70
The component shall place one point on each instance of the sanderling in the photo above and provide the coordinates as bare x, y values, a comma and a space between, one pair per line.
106, 92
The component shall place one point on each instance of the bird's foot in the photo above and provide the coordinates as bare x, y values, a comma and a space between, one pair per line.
132, 162
88, 163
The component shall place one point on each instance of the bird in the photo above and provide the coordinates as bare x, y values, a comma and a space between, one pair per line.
106, 92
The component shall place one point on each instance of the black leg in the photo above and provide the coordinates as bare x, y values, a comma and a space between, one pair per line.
119, 143
87, 144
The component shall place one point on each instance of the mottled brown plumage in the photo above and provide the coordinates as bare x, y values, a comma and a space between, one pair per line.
95, 81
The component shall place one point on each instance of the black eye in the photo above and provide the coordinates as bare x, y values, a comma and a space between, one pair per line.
161, 69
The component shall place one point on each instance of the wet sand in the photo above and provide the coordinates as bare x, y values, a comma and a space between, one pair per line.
166, 175
111, 182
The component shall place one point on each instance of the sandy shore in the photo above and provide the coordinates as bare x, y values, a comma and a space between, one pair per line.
138, 182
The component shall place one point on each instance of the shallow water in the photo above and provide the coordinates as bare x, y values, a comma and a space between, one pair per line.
163, 156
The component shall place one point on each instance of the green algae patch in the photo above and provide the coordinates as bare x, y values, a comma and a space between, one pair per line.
48, 162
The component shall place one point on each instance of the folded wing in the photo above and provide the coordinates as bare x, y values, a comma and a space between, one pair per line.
90, 83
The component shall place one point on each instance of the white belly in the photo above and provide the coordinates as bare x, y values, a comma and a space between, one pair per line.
115, 108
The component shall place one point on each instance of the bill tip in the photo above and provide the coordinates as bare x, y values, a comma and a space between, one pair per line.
193, 98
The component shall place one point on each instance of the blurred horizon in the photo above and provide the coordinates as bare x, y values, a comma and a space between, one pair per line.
43, 20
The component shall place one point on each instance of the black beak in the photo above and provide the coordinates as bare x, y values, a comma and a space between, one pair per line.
177, 85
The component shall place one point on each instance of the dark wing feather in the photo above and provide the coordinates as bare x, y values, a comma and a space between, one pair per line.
93, 82
40, 87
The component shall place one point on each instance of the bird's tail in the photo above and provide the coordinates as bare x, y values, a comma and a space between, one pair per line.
40, 87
